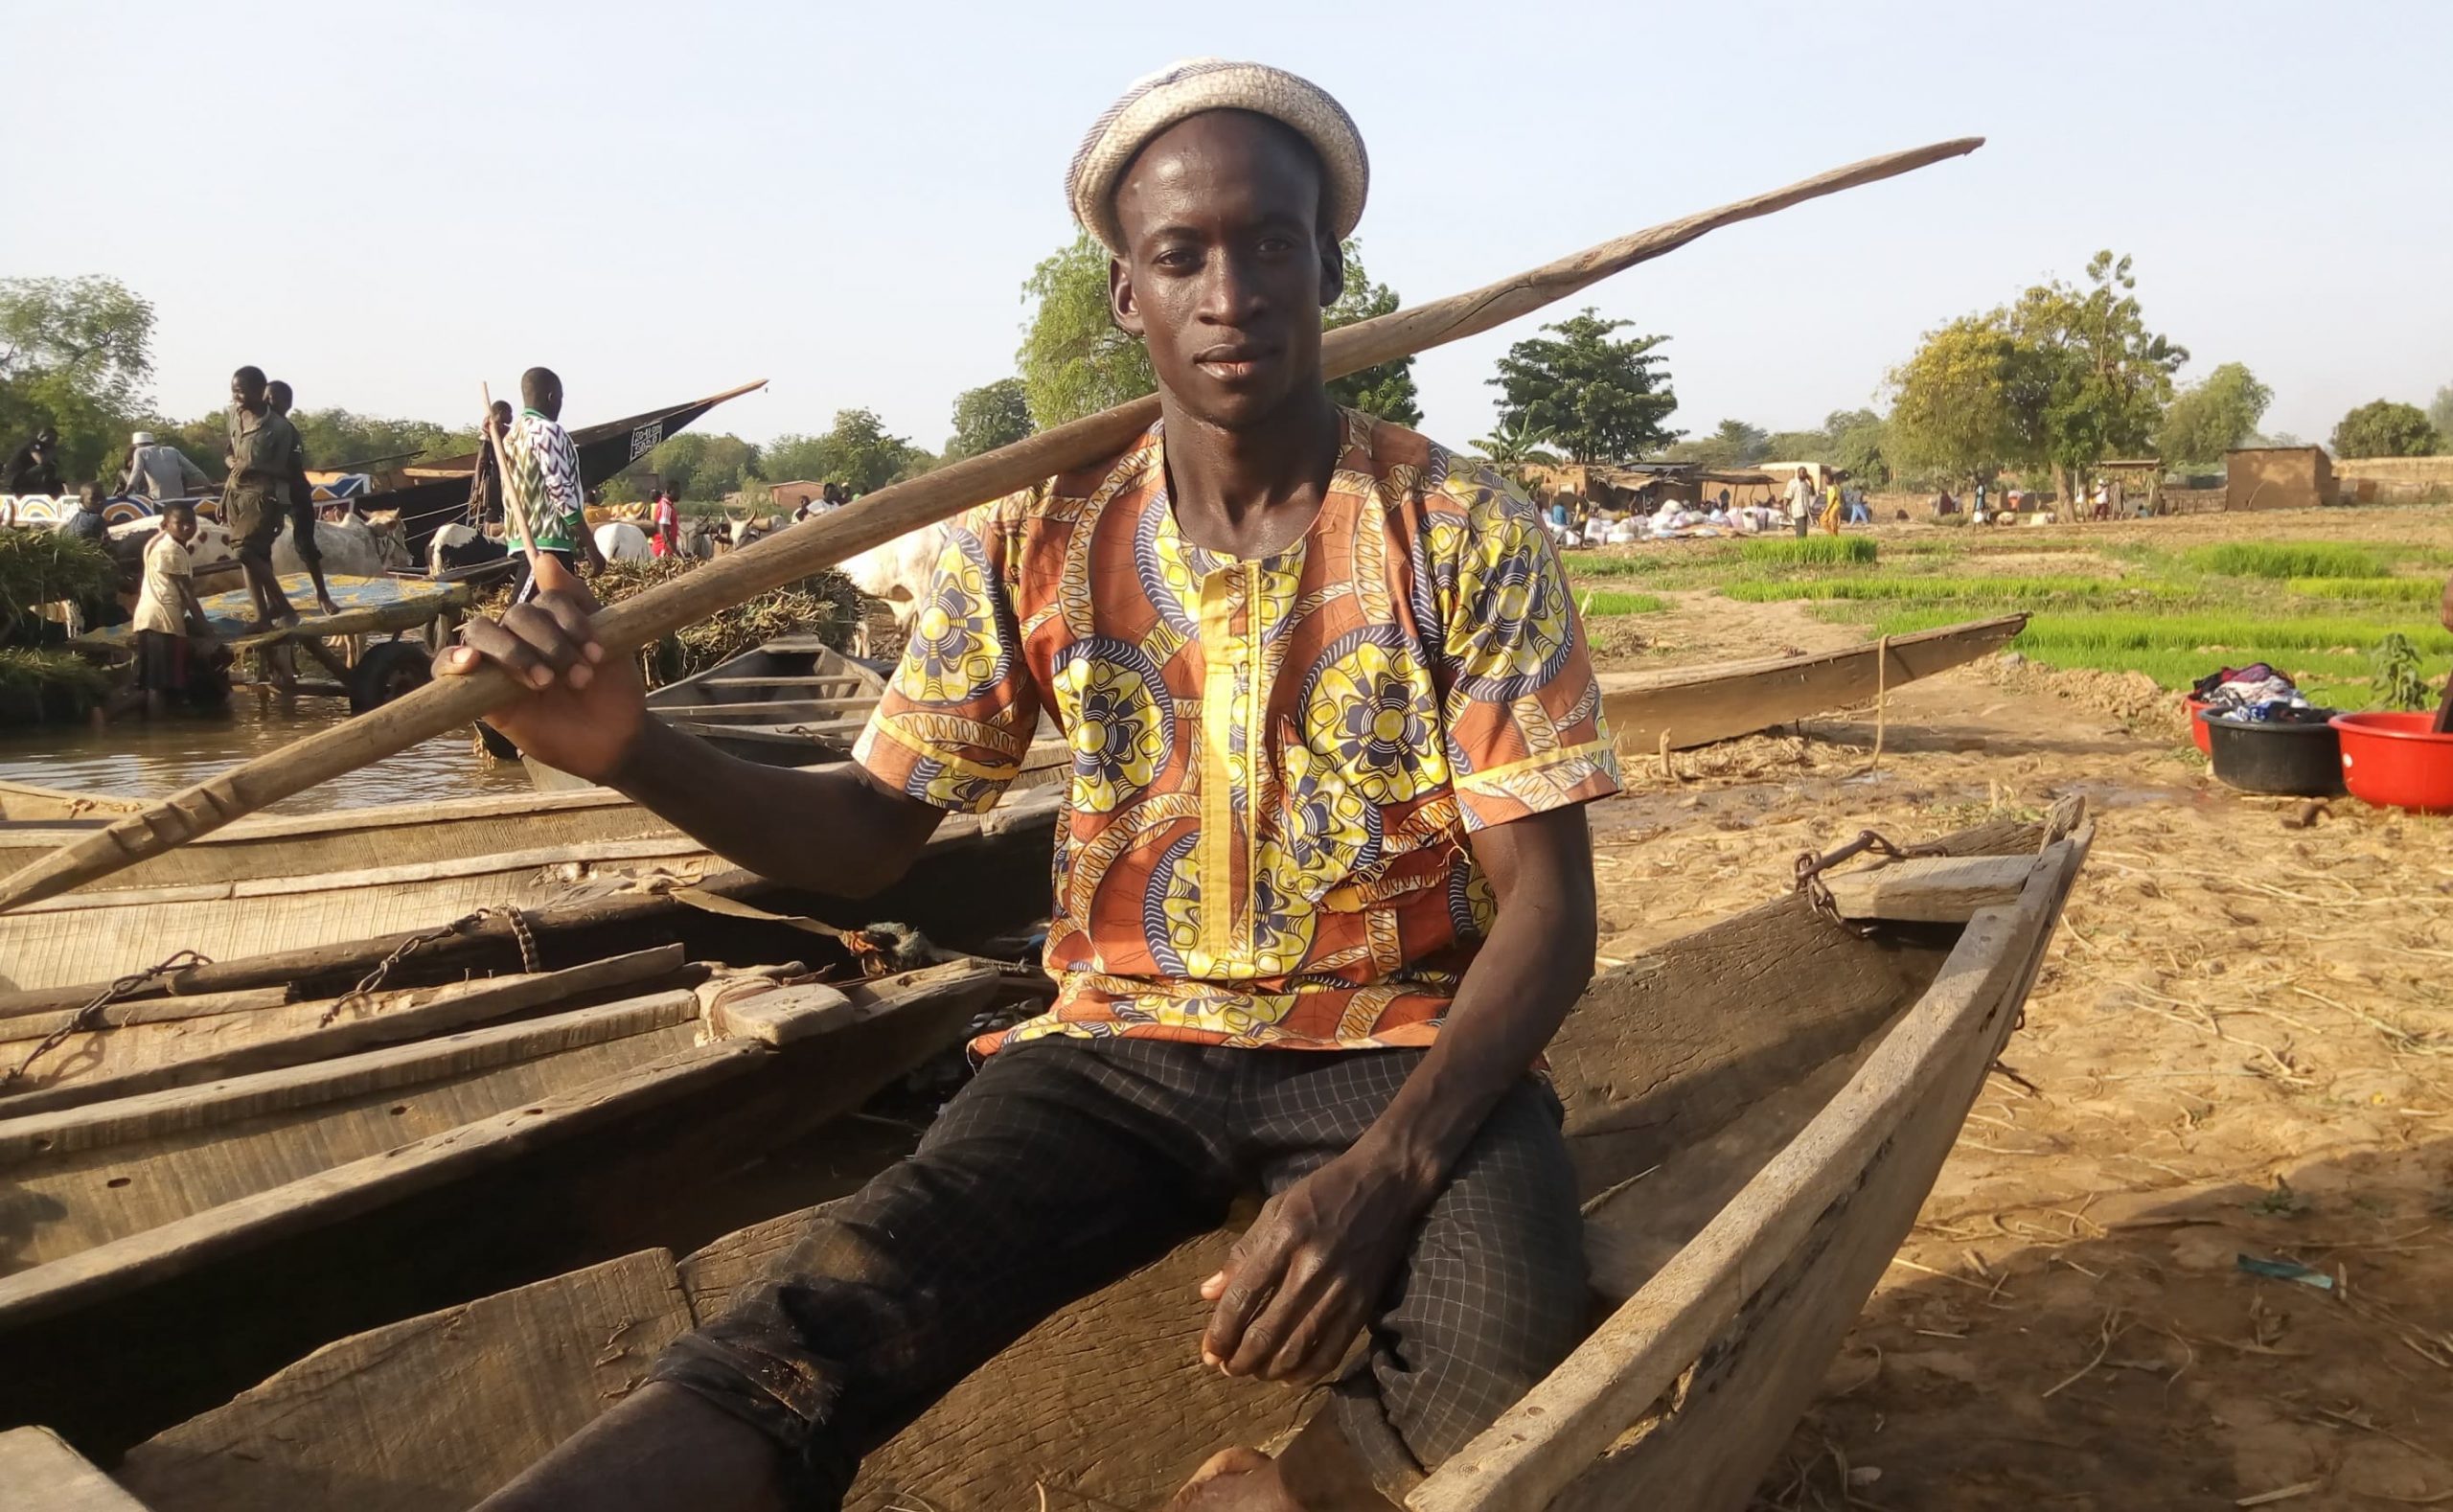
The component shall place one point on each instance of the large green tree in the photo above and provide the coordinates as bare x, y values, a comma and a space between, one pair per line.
990, 416
2440, 411
74, 353
1075, 361
857, 452
697, 465
1388, 390
1965, 402
2207, 420
1731, 443
2107, 375
1602, 398
2386, 429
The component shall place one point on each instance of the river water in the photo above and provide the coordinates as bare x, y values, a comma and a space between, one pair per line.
149, 759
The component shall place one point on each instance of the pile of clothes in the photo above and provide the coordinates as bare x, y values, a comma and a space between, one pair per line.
2254, 692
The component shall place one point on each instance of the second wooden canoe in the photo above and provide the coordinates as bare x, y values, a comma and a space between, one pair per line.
1757, 1111
1698, 706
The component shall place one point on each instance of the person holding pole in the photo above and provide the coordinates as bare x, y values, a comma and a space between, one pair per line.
546, 505
1343, 1010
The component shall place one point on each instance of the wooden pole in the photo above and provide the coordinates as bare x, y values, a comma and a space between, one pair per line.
447, 704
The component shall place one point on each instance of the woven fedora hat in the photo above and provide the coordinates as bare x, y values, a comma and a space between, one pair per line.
1158, 101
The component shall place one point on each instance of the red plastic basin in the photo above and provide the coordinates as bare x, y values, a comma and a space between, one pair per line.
2397, 760
2196, 706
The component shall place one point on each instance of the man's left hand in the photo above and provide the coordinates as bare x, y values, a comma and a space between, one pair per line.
1303, 1280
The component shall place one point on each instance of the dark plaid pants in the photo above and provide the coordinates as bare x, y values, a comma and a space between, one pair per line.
1067, 1163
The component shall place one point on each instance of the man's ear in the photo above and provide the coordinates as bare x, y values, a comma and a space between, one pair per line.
1332, 272
1121, 307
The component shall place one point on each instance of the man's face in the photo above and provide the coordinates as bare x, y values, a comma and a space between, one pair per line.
1225, 275
245, 394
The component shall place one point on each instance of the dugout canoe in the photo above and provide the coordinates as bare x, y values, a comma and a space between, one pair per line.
1753, 1146
790, 702
154, 1244
1698, 706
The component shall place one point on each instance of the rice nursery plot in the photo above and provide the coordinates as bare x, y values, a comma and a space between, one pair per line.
1809, 551
1598, 603
2286, 559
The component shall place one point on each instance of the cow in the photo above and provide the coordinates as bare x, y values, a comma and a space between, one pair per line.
354, 546
459, 545
898, 573
620, 540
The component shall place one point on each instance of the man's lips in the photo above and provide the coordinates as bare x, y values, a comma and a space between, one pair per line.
1234, 360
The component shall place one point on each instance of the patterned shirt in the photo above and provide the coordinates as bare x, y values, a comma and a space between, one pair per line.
540, 484
1410, 670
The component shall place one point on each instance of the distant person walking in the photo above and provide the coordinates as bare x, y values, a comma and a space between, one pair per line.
664, 538
1801, 501
302, 499
159, 471
1859, 513
35, 467
1831, 507
541, 480
263, 449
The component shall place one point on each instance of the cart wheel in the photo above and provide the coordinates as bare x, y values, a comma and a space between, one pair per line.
386, 671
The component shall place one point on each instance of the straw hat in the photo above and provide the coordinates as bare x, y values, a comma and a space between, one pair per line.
1158, 101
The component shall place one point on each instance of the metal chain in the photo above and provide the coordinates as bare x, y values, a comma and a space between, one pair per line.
372, 980
1811, 867
89, 1017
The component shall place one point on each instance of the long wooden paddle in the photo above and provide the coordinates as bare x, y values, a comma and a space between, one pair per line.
447, 704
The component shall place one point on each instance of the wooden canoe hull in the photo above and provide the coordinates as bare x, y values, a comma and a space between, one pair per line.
1698, 706
117, 1340
347, 839
791, 701
1750, 1108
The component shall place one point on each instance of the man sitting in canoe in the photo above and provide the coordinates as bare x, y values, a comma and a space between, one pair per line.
1323, 893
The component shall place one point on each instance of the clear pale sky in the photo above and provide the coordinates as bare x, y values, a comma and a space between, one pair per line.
662, 200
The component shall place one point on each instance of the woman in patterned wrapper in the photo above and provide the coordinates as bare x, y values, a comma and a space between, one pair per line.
1323, 894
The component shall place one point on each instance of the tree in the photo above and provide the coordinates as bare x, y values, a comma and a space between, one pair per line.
1388, 390
1603, 400
2385, 429
2106, 376
698, 466
2440, 411
1074, 360
1963, 401
2207, 420
856, 454
1733, 444
74, 353
990, 416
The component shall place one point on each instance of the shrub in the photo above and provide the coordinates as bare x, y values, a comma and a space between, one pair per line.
2285, 558
1814, 551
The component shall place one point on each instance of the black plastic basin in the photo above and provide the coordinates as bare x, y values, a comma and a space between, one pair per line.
2299, 756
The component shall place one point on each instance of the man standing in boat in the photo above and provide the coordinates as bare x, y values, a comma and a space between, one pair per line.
302, 498
540, 479
1323, 892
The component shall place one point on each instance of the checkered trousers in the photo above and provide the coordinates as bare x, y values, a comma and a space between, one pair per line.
1067, 1163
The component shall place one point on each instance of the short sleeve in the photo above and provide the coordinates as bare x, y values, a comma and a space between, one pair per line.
958, 714
1521, 708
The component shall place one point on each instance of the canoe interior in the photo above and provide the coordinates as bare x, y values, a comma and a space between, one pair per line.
168, 1249
1686, 1074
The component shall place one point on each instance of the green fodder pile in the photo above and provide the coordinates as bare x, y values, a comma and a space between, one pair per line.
43, 566
2286, 559
1812, 551
825, 605
30, 672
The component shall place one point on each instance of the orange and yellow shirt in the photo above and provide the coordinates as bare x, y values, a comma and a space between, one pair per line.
1275, 761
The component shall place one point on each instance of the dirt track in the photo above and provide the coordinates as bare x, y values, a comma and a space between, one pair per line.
2241, 1045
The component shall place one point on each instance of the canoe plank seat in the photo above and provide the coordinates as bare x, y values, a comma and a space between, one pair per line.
1930, 889
41, 1473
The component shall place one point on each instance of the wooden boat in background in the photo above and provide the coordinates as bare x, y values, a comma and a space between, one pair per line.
791, 701
1784, 1135
1698, 706
325, 1176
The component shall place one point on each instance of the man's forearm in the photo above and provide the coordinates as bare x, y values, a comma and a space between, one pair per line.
832, 831
1516, 994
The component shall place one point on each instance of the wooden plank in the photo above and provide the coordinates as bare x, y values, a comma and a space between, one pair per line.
34, 1020
92, 1276
1920, 1077
1696, 706
260, 1041
40, 1473
783, 1016
527, 1369
775, 711
1933, 890
188, 1110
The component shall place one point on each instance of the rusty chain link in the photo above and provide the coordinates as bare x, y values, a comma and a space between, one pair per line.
89, 1017
372, 980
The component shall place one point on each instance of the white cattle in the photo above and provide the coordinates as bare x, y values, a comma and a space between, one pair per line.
619, 541
899, 572
353, 547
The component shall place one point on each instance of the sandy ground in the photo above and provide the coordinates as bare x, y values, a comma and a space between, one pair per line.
2241, 1045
